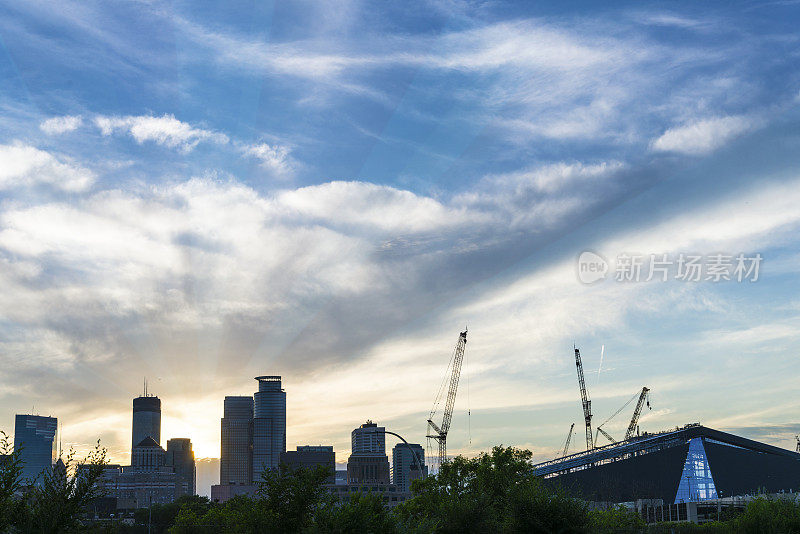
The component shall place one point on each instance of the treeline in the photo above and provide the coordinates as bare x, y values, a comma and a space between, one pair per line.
495, 492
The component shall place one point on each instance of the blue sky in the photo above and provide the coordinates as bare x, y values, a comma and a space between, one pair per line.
201, 193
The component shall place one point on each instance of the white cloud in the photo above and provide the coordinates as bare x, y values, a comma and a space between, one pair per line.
373, 208
60, 125
24, 165
275, 158
702, 136
165, 130
540, 197
554, 177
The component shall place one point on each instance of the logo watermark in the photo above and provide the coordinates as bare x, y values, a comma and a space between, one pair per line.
718, 267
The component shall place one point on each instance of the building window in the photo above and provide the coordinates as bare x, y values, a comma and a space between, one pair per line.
697, 483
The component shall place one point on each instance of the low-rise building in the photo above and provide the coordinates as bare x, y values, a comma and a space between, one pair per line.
310, 457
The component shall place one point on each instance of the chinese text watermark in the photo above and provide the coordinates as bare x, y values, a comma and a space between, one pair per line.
718, 267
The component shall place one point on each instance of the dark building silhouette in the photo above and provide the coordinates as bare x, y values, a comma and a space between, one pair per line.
368, 463
35, 435
236, 441
269, 424
310, 457
146, 420
147, 456
180, 457
155, 476
690, 464
408, 464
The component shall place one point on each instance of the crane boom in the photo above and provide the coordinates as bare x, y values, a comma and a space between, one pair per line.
608, 437
440, 431
587, 404
569, 437
636, 413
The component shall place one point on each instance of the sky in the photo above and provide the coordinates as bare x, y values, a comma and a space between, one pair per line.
199, 193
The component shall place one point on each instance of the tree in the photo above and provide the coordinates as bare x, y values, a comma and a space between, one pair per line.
10, 481
160, 517
54, 505
291, 496
360, 512
495, 492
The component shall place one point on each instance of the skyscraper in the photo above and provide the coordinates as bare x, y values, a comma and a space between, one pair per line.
236, 455
369, 437
180, 457
269, 425
146, 419
368, 463
35, 435
407, 466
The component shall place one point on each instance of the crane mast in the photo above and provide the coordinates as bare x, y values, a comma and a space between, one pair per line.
636, 413
569, 437
587, 404
440, 432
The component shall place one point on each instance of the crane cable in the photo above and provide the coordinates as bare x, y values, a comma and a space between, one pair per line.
440, 394
636, 395
469, 411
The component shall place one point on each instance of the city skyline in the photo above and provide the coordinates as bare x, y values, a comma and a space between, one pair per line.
200, 195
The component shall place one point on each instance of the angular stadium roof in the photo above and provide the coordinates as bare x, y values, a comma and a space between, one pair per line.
689, 463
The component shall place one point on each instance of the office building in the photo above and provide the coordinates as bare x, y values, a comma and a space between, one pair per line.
180, 457
368, 463
134, 488
311, 457
367, 438
269, 425
147, 456
155, 476
408, 464
35, 436
146, 419
236, 441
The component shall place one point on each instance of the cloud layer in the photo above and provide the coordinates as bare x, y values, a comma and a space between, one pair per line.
335, 199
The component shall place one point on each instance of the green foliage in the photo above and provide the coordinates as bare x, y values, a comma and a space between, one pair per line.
10, 481
361, 512
289, 498
54, 505
617, 520
495, 492
768, 516
161, 517
286, 502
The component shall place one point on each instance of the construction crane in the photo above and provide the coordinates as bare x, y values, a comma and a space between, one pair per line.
569, 437
608, 437
643, 396
440, 431
587, 404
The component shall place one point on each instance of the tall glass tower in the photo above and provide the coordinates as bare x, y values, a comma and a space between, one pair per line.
35, 435
146, 419
269, 425
236, 456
